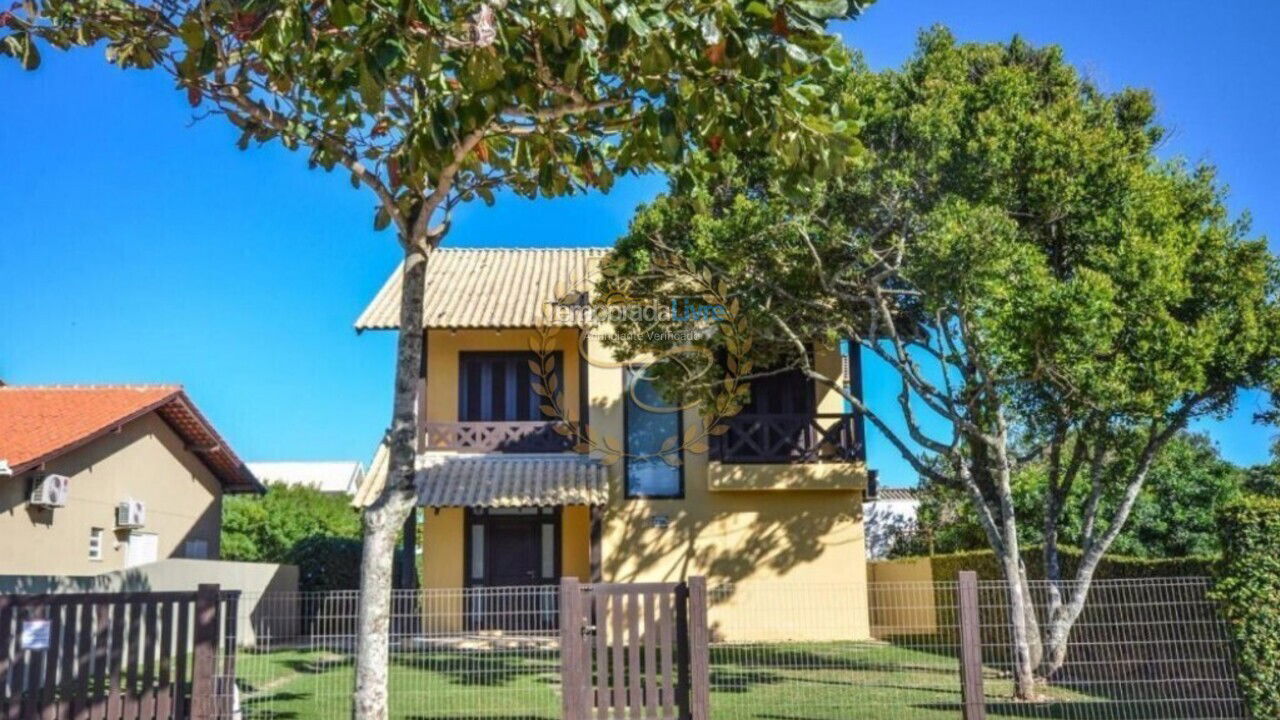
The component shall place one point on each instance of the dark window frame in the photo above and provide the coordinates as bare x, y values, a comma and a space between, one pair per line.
626, 445
481, 516
465, 356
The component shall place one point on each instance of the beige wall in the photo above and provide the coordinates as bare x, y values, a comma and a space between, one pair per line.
268, 607
144, 461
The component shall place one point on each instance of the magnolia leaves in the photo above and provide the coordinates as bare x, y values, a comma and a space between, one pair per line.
22, 46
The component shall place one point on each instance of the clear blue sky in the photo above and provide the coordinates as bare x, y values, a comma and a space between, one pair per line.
136, 246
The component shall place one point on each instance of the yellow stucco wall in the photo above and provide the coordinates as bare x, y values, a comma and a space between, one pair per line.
443, 565
575, 543
444, 346
902, 597
145, 460
777, 556
775, 559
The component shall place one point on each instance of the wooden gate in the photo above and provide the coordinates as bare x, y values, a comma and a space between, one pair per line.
634, 650
136, 655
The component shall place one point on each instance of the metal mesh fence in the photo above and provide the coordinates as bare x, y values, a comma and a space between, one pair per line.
1142, 650
473, 653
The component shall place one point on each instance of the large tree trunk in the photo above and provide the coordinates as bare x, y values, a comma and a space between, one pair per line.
1021, 610
384, 518
1001, 527
1065, 611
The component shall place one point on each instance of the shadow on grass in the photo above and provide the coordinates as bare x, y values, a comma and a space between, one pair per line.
486, 717
465, 668
1103, 709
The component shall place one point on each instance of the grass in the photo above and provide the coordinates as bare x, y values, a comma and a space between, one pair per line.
795, 681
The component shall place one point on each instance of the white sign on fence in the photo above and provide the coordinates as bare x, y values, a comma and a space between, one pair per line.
35, 635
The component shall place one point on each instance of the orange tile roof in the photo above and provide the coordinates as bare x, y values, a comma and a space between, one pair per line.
39, 423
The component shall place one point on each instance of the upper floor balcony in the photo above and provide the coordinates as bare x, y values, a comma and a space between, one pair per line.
490, 436
789, 438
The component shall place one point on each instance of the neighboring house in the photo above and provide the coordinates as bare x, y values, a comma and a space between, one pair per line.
891, 515
507, 502
340, 478
109, 477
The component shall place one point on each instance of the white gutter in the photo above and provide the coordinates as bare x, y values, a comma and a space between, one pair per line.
4, 468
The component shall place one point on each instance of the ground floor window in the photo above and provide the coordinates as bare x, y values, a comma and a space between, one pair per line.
95, 543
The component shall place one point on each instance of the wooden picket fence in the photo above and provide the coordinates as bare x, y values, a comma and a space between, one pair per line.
634, 650
105, 656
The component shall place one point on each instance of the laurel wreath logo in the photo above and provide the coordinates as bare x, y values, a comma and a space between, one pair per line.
728, 397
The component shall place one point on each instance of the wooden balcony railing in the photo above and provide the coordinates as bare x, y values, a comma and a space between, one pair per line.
510, 437
800, 438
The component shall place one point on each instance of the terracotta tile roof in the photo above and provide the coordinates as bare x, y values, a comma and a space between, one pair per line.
39, 423
488, 288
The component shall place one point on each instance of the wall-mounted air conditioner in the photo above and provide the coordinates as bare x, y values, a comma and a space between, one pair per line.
51, 490
131, 514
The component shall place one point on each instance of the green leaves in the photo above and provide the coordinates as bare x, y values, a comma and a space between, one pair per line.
20, 45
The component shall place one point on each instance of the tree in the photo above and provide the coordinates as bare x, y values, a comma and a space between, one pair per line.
1045, 288
431, 103
1175, 514
266, 528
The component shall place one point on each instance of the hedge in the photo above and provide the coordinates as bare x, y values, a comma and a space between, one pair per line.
1248, 590
1112, 567
327, 563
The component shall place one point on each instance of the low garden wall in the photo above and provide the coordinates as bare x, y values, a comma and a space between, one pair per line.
253, 580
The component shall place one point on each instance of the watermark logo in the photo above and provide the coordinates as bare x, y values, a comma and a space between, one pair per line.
673, 339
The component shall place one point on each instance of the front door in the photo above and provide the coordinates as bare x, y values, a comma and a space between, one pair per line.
514, 551
513, 556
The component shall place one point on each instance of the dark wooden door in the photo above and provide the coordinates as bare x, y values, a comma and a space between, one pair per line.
514, 551
514, 565
635, 650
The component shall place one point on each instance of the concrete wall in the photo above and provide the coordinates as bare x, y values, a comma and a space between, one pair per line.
144, 461
902, 597
274, 616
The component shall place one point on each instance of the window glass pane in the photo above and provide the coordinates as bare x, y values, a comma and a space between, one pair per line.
477, 552
651, 421
197, 549
548, 551
95, 544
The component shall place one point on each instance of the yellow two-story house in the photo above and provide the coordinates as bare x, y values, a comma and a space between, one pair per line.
769, 511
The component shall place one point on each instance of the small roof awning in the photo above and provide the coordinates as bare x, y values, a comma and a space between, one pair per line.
488, 481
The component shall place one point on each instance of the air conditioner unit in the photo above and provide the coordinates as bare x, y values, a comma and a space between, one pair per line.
51, 491
131, 514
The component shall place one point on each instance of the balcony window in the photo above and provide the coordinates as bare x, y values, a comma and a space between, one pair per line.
498, 387
650, 423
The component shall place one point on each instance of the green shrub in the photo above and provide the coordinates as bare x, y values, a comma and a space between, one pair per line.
1248, 589
332, 563
265, 528
1112, 567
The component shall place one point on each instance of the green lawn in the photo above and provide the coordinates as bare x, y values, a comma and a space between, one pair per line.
799, 681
